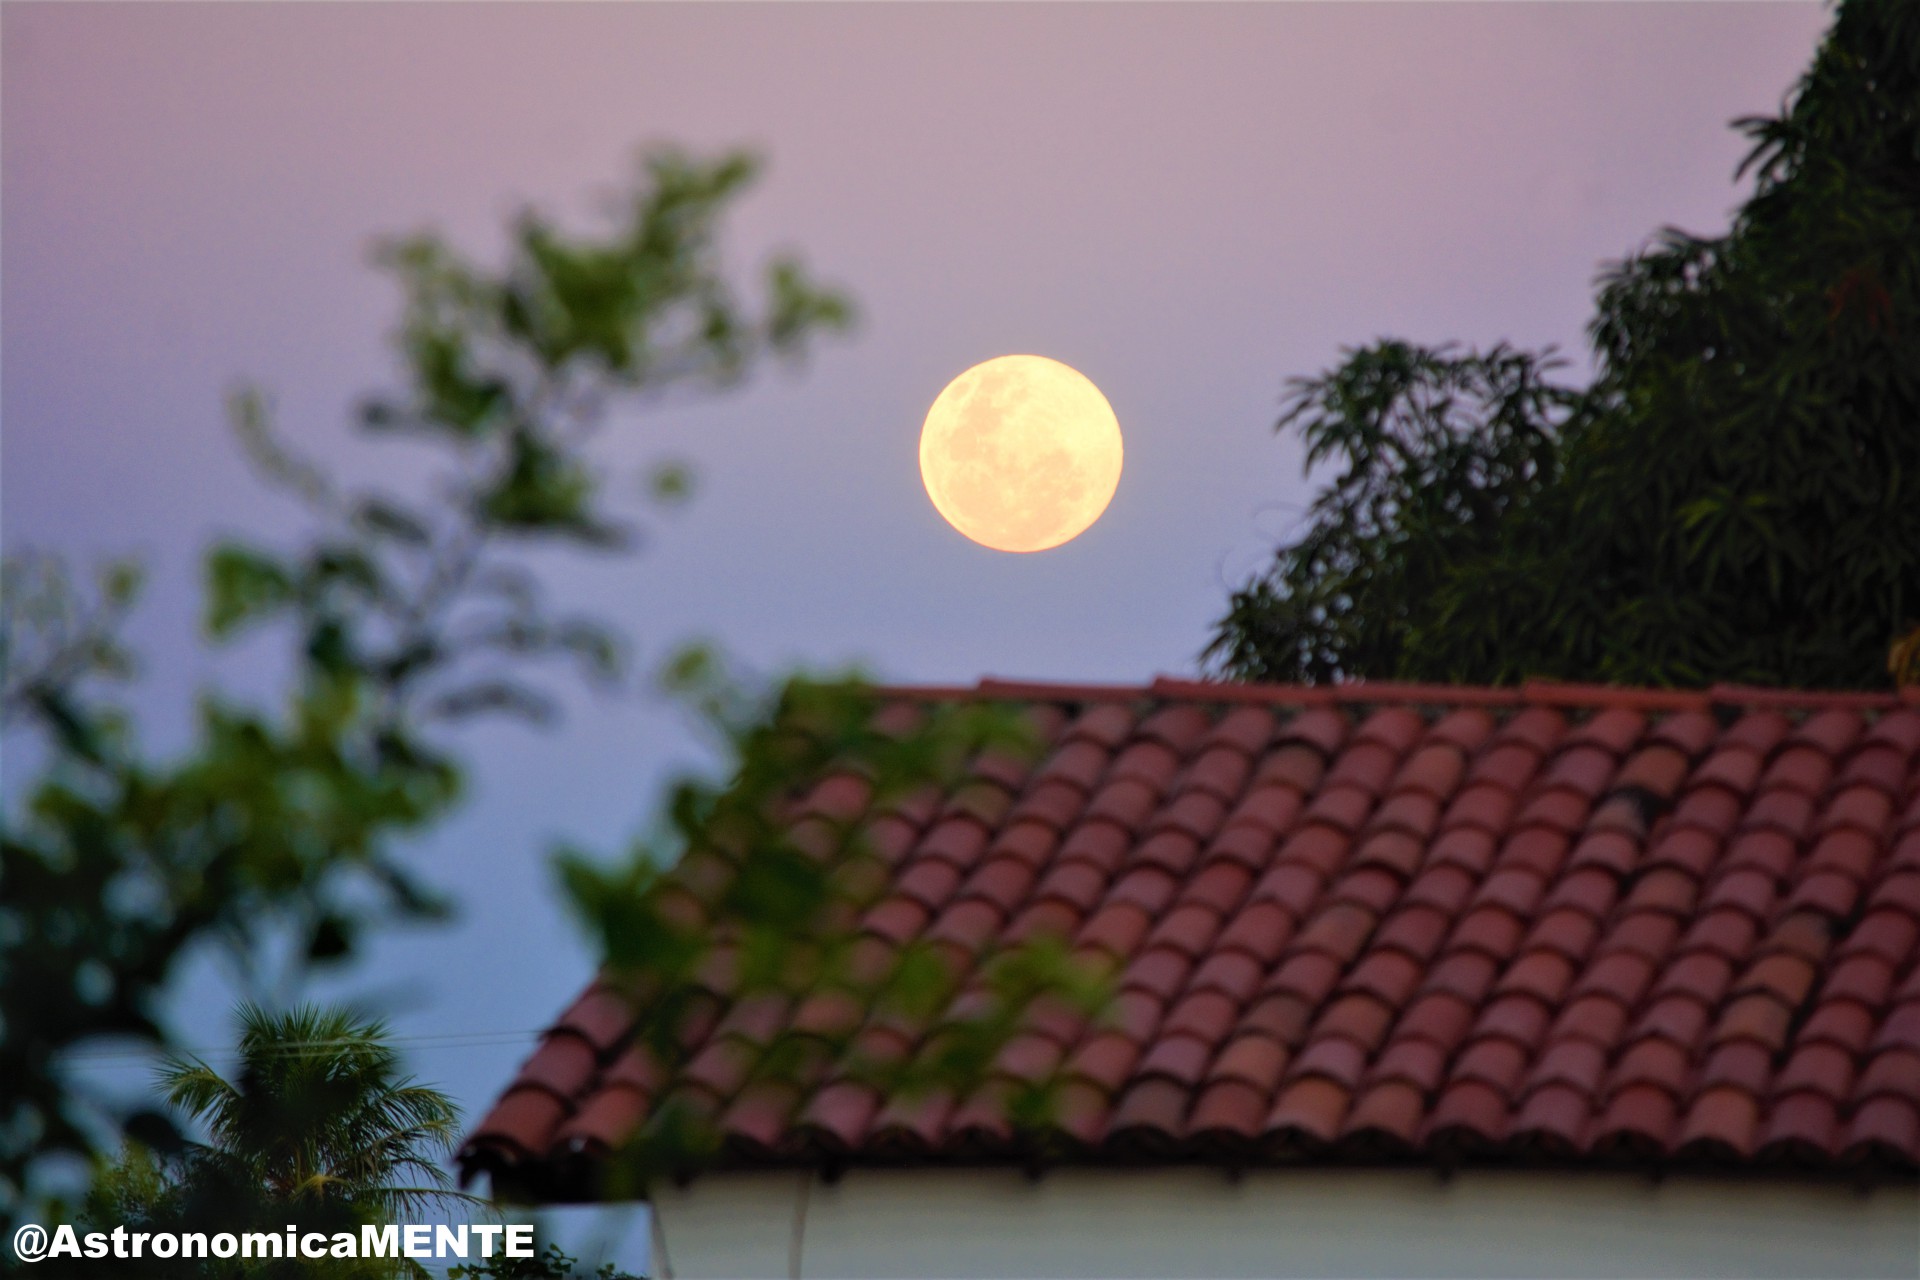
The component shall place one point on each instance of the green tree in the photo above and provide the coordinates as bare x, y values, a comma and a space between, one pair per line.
319, 1110
405, 614
317, 1125
1734, 497
408, 615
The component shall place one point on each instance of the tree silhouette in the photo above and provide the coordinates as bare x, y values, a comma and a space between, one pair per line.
1736, 495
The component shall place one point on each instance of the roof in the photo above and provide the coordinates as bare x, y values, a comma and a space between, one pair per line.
1382, 923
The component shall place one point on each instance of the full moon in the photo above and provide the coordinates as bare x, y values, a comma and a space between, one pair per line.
1020, 453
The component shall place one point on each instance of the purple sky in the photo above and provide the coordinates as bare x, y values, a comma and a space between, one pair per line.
1186, 202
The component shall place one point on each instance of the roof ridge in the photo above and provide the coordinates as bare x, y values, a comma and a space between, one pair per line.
1531, 693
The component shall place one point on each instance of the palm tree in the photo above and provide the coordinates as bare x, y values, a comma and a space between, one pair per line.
317, 1125
318, 1113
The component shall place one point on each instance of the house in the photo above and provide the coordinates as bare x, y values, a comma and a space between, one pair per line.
1411, 981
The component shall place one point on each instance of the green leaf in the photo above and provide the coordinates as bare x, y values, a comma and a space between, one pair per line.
244, 586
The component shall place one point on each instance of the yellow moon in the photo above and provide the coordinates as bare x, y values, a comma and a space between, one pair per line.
1020, 453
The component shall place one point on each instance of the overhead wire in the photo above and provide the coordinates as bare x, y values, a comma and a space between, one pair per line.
313, 1048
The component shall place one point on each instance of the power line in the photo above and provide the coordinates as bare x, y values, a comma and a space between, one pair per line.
315, 1048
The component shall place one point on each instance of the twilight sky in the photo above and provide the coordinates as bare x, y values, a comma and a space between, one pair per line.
1187, 202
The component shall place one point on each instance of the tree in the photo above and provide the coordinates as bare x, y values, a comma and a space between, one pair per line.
319, 1110
1734, 497
404, 616
317, 1125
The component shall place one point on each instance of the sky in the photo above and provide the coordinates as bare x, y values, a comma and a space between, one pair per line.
1187, 202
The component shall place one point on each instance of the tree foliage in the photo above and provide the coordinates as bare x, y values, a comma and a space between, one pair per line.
318, 1109
406, 613
1734, 497
317, 1126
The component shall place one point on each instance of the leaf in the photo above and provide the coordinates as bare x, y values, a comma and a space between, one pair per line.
244, 586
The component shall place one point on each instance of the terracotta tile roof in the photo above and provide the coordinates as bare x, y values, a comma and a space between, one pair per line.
1372, 922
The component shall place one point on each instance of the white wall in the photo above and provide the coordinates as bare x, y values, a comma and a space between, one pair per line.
1302, 1222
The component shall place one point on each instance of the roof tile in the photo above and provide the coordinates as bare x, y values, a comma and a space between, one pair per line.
1693, 725
1888, 934
1178, 1057
1484, 805
1261, 929
1800, 1129
1470, 1114
1724, 929
1742, 1064
1576, 1064
1466, 849
1159, 972
1420, 1064
1554, 1119
1465, 975
1584, 771
1596, 1018
1440, 1017
1721, 1124
1493, 1061
1709, 810
1654, 1061
1310, 975
1510, 766
1897, 729
1893, 1071
1414, 931
1321, 728
1388, 1115
1842, 1021
1734, 767
1466, 728
1640, 1119
1233, 974
1118, 929
1106, 1060
1831, 731
1434, 771
1244, 729
1567, 932
1680, 1018
1394, 851
1255, 1060
1884, 1128
1362, 1018
1782, 810
1825, 1069
1230, 1109
1311, 1108
1281, 1015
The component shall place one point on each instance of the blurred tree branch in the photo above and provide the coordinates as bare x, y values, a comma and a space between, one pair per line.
403, 612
